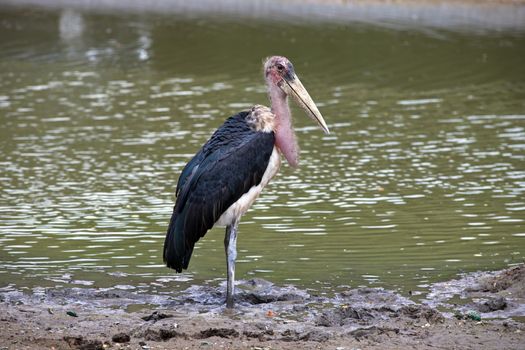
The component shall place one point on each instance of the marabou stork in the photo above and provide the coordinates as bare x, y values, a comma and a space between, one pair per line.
225, 177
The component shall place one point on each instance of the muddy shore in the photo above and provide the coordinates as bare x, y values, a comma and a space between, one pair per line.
484, 310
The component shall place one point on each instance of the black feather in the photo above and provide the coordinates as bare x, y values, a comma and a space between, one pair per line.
232, 161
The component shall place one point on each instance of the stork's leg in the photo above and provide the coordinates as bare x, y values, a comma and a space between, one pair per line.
230, 247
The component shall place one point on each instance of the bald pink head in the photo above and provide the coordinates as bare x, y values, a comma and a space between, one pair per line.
277, 68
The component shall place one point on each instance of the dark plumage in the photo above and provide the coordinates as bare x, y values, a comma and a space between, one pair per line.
232, 161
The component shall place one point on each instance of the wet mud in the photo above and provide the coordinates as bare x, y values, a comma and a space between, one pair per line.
480, 310
499, 294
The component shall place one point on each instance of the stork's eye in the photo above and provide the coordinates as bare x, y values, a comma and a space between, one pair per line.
280, 67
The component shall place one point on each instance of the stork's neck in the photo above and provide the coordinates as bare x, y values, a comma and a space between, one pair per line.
285, 138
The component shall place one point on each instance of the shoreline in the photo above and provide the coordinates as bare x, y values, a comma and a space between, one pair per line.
464, 15
491, 315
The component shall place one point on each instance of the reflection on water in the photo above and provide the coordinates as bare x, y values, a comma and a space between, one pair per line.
70, 25
421, 178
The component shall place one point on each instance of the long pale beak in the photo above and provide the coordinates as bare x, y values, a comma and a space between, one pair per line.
293, 86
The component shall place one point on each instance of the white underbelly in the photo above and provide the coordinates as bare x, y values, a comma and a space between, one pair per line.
237, 209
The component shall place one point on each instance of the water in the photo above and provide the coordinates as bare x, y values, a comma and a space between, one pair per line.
422, 177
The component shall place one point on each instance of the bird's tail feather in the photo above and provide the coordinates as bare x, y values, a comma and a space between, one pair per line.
177, 252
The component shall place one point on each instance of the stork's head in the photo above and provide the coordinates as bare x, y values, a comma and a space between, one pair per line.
280, 74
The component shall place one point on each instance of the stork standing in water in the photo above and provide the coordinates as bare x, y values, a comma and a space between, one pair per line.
225, 177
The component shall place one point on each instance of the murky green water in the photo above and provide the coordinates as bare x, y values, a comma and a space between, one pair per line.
422, 177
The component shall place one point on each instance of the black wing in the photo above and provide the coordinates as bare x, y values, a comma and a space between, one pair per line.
232, 161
